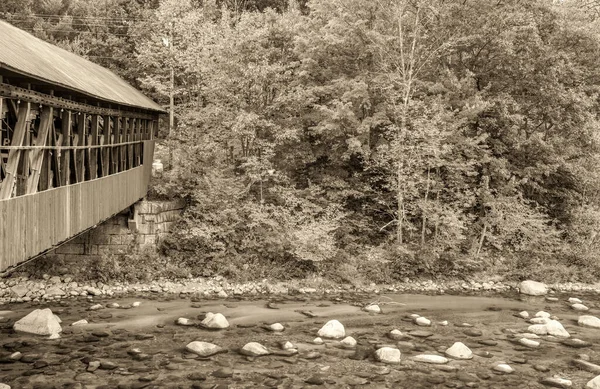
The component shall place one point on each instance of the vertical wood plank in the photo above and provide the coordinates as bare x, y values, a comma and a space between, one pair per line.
94, 152
14, 156
38, 156
65, 155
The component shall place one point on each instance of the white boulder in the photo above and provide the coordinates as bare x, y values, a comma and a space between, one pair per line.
388, 355
589, 321
556, 329
533, 288
422, 321
39, 322
579, 307
348, 342
372, 308
503, 368
430, 358
254, 349
203, 349
276, 327
215, 321
459, 351
332, 329
594, 383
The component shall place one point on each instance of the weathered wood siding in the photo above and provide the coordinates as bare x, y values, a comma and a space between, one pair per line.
33, 224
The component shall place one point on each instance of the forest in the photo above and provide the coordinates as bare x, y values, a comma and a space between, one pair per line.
374, 140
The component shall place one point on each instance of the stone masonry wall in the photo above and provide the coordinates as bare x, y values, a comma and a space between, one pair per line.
139, 227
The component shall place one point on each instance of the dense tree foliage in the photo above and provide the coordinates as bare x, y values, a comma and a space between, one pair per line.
389, 138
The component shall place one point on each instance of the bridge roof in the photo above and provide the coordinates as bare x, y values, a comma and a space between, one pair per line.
23, 53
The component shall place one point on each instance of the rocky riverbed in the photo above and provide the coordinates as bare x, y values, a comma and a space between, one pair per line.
170, 338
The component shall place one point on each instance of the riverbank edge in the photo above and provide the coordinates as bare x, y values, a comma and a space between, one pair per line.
23, 289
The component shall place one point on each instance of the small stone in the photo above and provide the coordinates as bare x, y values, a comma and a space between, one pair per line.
108, 365
223, 372
395, 335
556, 382
332, 329
182, 321
443, 323
589, 321
348, 342
203, 349
541, 368
388, 355
543, 314
372, 308
315, 380
276, 327
473, 332
287, 346
533, 288
524, 314
430, 358
81, 322
318, 341
503, 368
136, 304
529, 343
579, 307
575, 300
576, 343
96, 307
93, 366
422, 321
254, 349
420, 334
586, 365
459, 351
197, 376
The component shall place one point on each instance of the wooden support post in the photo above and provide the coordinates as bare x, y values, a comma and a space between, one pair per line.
106, 141
79, 139
116, 150
130, 129
65, 157
14, 156
94, 152
56, 139
39, 156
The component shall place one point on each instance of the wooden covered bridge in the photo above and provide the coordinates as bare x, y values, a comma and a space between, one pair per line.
76, 145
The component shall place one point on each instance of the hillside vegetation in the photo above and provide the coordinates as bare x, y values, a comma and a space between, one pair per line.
356, 139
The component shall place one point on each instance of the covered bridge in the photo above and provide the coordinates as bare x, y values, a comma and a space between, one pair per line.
76, 145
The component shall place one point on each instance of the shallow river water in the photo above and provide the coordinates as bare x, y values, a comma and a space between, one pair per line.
162, 362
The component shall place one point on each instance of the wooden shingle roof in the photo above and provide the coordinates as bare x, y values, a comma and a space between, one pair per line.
23, 53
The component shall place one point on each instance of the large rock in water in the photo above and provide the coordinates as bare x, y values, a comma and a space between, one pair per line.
459, 351
39, 322
215, 321
533, 288
594, 383
332, 329
556, 329
589, 321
